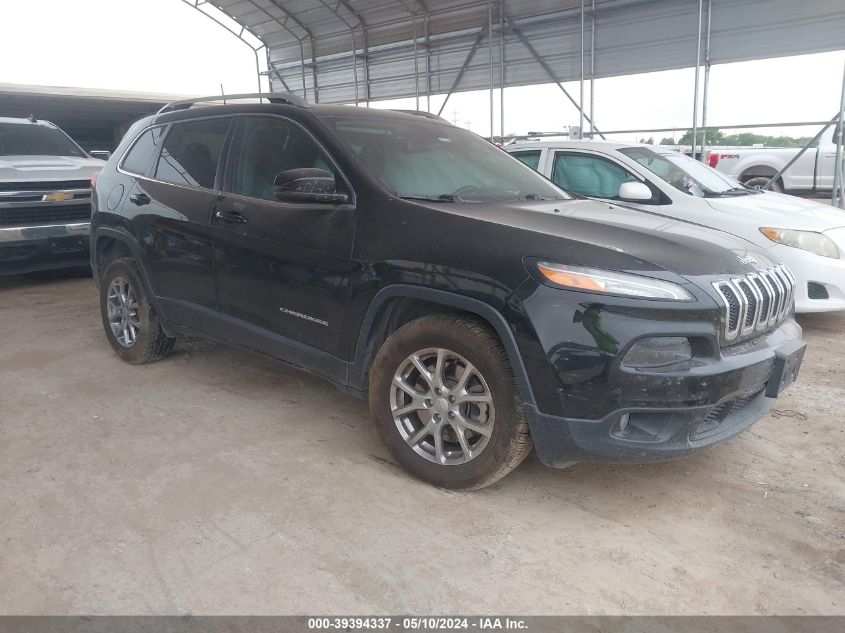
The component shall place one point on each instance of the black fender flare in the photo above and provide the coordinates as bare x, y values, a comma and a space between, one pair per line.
134, 247
357, 369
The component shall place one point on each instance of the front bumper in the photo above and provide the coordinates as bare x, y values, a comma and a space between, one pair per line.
43, 247
734, 393
808, 268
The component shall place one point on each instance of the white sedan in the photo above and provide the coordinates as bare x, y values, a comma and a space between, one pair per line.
807, 236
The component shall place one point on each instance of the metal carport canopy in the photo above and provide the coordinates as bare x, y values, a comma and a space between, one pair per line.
350, 51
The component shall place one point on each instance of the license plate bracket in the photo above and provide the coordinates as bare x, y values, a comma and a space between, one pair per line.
70, 244
787, 363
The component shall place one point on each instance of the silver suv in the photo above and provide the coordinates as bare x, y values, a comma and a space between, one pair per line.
45, 197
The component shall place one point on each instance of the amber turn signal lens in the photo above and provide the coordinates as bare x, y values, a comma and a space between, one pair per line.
772, 234
570, 279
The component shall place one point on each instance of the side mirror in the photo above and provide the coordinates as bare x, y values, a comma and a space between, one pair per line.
102, 154
634, 192
307, 184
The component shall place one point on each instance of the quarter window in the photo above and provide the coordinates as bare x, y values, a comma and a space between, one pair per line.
139, 155
191, 152
532, 159
589, 175
269, 146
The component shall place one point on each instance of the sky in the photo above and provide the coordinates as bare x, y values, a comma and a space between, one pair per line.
165, 46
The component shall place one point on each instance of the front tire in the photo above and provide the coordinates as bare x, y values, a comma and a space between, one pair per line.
443, 398
130, 322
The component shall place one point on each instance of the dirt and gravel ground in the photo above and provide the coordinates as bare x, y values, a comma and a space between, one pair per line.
219, 482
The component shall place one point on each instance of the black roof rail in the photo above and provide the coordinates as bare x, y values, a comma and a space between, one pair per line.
423, 113
272, 97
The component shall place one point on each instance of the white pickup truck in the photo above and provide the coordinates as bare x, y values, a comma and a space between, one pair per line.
45, 197
754, 166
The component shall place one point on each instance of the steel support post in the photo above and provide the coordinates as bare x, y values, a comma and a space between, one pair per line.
697, 69
427, 67
490, 55
592, 62
581, 80
706, 80
257, 70
416, 63
502, 68
314, 71
837, 199
354, 64
365, 44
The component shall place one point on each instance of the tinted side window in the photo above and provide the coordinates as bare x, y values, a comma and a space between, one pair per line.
191, 152
269, 145
139, 155
589, 175
532, 159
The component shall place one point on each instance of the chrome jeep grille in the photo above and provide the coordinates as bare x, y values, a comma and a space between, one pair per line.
755, 302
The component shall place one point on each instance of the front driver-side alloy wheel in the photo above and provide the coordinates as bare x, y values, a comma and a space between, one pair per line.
443, 397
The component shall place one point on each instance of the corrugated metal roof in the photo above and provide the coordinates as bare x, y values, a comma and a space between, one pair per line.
312, 40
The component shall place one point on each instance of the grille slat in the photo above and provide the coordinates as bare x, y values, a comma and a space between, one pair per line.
751, 315
44, 185
755, 302
30, 215
766, 292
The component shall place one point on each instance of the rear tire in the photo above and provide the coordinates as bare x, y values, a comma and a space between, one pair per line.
757, 182
130, 321
455, 420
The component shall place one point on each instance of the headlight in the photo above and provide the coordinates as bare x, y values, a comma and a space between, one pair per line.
817, 243
609, 282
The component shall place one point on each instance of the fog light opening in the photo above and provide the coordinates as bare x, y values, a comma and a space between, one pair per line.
658, 351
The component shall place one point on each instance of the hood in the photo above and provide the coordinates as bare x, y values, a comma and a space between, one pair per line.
595, 233
781, 211
30, 168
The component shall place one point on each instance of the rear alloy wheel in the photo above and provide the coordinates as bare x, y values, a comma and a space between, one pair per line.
443, 397
130, 322
122, 310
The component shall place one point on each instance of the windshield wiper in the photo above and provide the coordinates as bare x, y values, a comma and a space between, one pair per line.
738, 191
444, 197
533, 196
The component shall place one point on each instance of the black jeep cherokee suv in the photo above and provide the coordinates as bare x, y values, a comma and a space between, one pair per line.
480, 308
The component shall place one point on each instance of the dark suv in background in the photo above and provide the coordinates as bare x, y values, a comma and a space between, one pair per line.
479, 307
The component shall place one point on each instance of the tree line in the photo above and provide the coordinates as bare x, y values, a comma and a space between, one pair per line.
716, 137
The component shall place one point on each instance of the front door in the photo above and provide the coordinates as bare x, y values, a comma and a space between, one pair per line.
826, 158
282, 269
589, 175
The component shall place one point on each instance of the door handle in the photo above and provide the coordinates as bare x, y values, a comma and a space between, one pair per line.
232, 217
140, 199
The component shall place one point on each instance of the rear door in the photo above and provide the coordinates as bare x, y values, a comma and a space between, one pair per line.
530, 157
170, 208
283, 269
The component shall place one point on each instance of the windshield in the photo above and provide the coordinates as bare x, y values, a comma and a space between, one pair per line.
429, 160
687, 174
27, 139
